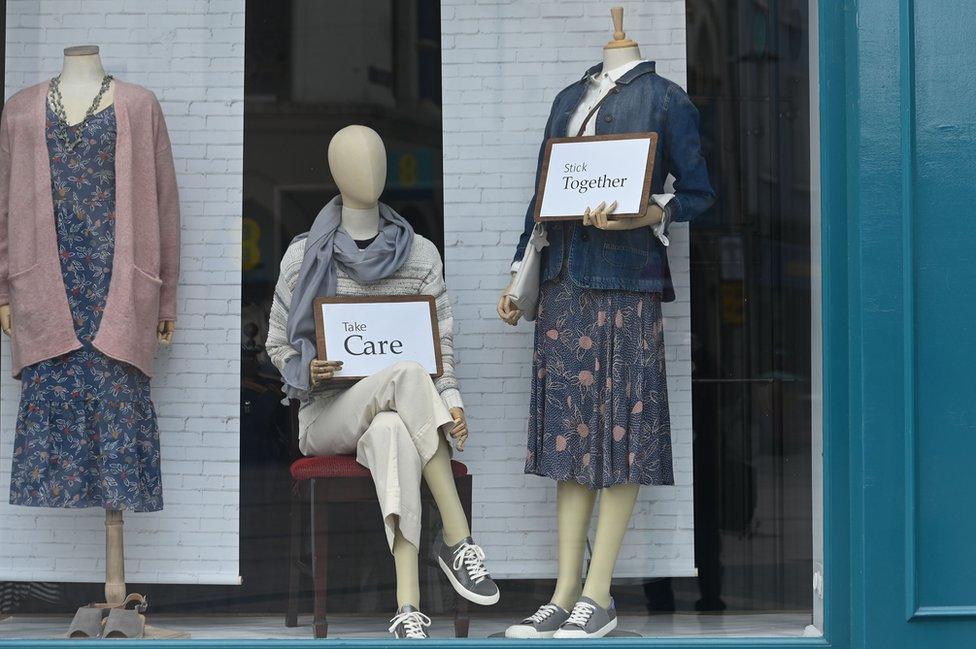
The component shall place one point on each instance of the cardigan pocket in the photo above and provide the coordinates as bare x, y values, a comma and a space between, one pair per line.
145, 303
152, 278
128, 328
13, 277
27, 311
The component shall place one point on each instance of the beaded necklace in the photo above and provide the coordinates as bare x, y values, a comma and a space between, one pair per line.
57, 104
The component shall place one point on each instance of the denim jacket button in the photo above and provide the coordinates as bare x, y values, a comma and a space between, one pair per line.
608, 118
615, 90
584, 236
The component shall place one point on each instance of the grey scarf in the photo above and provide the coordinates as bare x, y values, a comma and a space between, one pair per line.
328, 244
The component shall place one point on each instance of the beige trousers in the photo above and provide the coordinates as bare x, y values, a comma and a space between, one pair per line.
390, 421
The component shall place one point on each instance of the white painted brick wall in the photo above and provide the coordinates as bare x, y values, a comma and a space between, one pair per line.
503, 63
191, 54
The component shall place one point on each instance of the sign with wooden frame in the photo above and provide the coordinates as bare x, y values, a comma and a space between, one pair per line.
581, 172
368, 334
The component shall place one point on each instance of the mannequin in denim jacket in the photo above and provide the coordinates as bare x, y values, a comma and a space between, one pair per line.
575, 502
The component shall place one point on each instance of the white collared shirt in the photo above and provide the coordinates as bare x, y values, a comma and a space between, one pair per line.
599, 84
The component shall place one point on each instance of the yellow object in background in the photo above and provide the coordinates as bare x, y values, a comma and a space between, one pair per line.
250, 244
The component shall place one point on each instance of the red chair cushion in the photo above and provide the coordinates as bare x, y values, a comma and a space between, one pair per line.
344, 466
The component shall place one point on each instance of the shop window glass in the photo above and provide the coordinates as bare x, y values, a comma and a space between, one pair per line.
459, 94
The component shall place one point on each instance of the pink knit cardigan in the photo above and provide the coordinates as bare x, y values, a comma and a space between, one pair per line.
145, 269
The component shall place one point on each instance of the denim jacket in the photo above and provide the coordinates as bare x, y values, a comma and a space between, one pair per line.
631, 260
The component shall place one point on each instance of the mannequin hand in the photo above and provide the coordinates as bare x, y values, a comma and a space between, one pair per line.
323, 370
164, 331
507, 310
5, 318
460, 432
599, 216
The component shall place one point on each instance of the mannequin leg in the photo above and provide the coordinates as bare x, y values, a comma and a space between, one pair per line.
404, 388
407, 573
616, 508
574, 507
440, 479
114, 558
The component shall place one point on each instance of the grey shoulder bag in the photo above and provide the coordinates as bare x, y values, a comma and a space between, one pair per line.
524, 290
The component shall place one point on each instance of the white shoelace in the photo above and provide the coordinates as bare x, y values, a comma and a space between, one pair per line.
544, 613
472, 557
413, 623
581, 614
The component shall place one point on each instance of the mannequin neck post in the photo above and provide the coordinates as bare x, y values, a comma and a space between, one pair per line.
82, 70
614, 57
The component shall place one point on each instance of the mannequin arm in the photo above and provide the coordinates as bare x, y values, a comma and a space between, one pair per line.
683, 159
169, 218
433, 285
599, 217
5, 165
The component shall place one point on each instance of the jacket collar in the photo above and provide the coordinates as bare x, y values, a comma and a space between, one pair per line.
637, 71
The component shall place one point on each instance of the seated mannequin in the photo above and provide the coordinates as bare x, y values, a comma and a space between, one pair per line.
397, 421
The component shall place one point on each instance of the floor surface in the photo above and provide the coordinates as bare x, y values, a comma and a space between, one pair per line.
31, 627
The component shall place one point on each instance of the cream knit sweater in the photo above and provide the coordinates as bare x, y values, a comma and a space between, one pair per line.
421, 274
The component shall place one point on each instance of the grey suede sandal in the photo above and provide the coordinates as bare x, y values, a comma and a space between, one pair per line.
87, 623
134, 601
124, 623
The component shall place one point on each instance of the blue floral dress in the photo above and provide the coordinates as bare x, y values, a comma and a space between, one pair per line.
86, 429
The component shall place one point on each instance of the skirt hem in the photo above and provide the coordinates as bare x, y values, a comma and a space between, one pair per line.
606, 485
89, 505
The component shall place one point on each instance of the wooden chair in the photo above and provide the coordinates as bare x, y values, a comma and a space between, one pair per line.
319, 481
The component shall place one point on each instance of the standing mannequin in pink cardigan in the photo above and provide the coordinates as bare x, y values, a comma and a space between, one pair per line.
83, 124
81, 74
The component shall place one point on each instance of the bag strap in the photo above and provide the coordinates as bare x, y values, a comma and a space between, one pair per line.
586, 120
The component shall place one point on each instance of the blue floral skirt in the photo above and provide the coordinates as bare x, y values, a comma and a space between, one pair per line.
598, 414
86, 436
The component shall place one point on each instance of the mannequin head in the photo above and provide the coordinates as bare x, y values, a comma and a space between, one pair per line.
357, 160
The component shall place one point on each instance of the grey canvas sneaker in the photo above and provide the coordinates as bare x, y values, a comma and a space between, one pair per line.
409, 623
464, 565
541, 624
588, 620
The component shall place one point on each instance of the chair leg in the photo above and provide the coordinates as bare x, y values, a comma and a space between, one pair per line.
320, 556
464, 489
462, 622
294, 555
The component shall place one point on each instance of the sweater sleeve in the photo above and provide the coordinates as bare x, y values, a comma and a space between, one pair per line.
435, 286
277, 346
167, 196
4, 207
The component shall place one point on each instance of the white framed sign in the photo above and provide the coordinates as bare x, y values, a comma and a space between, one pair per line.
581, 172
368, 334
